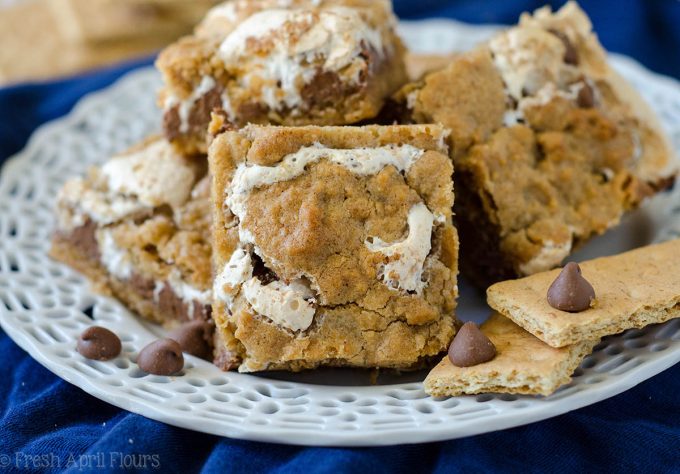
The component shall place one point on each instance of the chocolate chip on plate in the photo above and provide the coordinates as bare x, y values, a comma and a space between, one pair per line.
161, 357
195, 338
99, 343
570, 52
570, 291
471, 347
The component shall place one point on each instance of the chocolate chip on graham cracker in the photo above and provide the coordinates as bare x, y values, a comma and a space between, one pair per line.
570, 291
471, 347
523, 364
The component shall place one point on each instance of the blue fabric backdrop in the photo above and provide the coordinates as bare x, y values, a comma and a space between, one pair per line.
45, 423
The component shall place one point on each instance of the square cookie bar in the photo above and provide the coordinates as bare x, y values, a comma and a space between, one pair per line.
632, 290
523, 364
332, 246
299, 62
551, 146
139, 228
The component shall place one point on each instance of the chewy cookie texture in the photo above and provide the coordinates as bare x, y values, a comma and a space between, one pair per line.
138, 227
297, 62
632, 290
332, 246
549, 143
523, 365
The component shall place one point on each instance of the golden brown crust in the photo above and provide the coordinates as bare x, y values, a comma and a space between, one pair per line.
316, 225
268, 145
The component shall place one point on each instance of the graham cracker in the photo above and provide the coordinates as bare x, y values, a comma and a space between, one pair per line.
523, 365
632, 290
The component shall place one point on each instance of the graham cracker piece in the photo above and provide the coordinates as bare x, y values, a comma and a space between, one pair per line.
632, 290
523, 365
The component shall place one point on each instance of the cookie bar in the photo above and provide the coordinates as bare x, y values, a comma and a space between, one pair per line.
523, 365
632, 290
138, 227
551, 146
298, 62
332, 246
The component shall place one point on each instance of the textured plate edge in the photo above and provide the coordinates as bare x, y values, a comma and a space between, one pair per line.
593, 394
87, 102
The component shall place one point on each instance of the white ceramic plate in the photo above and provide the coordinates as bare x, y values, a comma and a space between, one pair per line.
44, 306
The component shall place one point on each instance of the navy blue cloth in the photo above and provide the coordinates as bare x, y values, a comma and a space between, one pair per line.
47, 424
648, 30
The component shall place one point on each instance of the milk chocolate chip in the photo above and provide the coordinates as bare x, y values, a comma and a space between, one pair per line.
161, 357
172, 123
471, 347
83, 238
570, 52
570, 291
195, 338
99, 343
199, 115
586, 96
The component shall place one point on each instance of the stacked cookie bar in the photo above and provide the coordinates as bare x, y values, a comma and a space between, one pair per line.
550, 145
302, 194
138, 227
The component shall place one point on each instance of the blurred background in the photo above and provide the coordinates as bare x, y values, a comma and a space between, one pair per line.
47, 39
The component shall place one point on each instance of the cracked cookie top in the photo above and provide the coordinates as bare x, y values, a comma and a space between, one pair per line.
550, 145
335, 219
